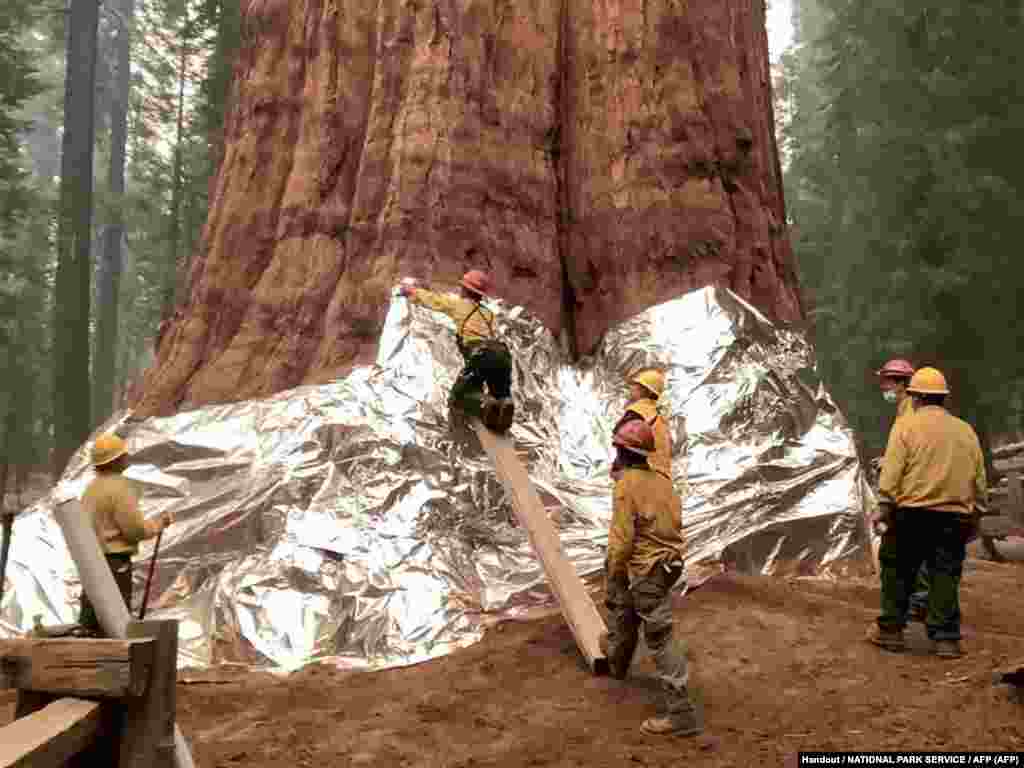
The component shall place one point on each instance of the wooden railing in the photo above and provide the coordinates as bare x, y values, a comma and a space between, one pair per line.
92, 702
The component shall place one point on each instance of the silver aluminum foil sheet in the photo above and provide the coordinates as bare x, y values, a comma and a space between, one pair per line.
352, 523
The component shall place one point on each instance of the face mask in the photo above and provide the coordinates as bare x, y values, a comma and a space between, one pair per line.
889, 395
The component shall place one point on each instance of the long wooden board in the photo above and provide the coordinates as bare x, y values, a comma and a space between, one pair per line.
82, 667
577, 606
49, 737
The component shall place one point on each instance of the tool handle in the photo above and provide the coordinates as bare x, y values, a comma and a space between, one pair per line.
149, 577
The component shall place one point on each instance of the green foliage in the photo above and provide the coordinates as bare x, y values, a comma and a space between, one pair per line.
18, 83
22, 276
32, 50
905, 193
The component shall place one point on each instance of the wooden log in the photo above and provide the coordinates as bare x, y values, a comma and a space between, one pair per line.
147, 737
76, 666
1008, 450
1010, 464
52, 736
1014, 508
577, 607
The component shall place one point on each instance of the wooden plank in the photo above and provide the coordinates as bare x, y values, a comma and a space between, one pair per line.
76, 666
577, 607
50, 737
147, 739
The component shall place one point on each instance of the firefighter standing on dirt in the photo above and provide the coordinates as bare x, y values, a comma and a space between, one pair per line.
932, 489
488, 360
645, 389
112, 503
894, 378
645, 560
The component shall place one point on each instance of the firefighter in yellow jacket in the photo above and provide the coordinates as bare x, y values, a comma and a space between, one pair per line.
932, 489
894, 378
488, 360
645, 560
112, 503
645, 389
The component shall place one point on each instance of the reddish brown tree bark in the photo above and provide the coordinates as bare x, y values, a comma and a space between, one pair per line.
597, 157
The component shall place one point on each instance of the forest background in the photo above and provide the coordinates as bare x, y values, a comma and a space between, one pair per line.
898, 129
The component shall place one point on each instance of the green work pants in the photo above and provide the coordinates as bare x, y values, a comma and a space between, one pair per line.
487, 362
938, 540
121, 567
647, 603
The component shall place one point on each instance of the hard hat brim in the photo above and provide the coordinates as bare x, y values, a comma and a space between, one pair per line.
110, 459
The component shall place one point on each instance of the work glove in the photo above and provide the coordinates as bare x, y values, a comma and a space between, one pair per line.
882, 519
405, 288
168, 519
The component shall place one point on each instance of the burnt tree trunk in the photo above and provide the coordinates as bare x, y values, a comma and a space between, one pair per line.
597, 157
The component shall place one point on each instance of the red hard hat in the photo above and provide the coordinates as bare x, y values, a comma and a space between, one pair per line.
636, 436
897, 369
477, 281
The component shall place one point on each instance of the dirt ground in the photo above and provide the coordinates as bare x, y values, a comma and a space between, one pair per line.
778, 666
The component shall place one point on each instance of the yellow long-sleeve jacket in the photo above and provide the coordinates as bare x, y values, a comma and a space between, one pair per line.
112, 504
473, 322
905, 408
647, 524
933, 460
647, 409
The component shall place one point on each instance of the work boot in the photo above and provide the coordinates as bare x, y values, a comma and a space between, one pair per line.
948, 649
889, 639
679, 724
917, 613
616, 667
506, 412
490, 413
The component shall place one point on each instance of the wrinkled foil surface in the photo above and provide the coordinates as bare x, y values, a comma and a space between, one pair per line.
353, 523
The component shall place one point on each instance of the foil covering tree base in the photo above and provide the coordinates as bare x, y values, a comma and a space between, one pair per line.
354, 523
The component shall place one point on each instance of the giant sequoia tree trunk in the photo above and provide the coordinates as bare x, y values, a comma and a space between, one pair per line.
597, 157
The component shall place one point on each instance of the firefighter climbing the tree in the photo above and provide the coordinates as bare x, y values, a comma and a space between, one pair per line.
894, 378
112, 503
645, 389
488, 360
645, 560
933, 489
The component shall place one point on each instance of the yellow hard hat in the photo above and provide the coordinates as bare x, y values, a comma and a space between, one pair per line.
108, 448
928, 381
651, 380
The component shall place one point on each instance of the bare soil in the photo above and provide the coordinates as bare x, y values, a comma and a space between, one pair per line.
778, 666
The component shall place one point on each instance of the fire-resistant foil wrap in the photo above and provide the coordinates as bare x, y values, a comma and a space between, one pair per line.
353, 523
